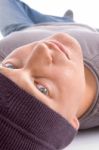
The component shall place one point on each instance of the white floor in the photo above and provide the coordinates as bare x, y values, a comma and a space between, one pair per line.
86, 140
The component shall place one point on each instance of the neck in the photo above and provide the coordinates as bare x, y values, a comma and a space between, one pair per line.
90, 92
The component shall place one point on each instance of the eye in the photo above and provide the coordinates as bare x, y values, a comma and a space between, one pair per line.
11, 66
42, 89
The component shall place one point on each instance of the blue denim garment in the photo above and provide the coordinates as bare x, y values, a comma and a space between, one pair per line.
16, 15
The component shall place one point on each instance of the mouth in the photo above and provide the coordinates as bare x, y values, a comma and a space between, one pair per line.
59, 46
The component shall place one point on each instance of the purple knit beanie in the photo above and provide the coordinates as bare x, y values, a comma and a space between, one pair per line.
28, 124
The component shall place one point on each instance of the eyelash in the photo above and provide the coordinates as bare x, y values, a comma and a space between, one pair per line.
7, 65
45, 92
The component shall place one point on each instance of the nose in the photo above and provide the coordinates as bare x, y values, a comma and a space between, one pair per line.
41, 55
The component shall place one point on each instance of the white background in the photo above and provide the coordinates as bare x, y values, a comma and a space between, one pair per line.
85, 140
87, 12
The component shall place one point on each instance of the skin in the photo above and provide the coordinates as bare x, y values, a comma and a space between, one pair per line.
62, 74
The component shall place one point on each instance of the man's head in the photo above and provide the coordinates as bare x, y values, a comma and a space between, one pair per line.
52, 70
26, 123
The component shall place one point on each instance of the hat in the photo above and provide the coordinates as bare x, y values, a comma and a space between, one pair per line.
28, 124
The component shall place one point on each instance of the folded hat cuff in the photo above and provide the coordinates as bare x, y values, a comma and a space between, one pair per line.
32, 118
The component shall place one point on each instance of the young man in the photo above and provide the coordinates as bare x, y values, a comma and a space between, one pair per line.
54, 62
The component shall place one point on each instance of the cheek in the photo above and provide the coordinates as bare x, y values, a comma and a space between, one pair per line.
70, 83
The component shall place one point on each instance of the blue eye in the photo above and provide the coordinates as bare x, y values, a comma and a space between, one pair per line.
9, 66
42, 89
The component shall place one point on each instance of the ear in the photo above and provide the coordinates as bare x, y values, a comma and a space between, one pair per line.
75, 123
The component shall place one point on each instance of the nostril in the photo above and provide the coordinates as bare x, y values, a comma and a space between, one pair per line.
44, 53
48, 56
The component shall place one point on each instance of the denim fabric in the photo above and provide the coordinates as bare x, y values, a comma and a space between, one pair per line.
16, 15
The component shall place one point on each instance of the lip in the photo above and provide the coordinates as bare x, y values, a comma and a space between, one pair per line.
60, 47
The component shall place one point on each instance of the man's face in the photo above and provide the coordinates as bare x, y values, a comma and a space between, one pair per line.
52, 70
